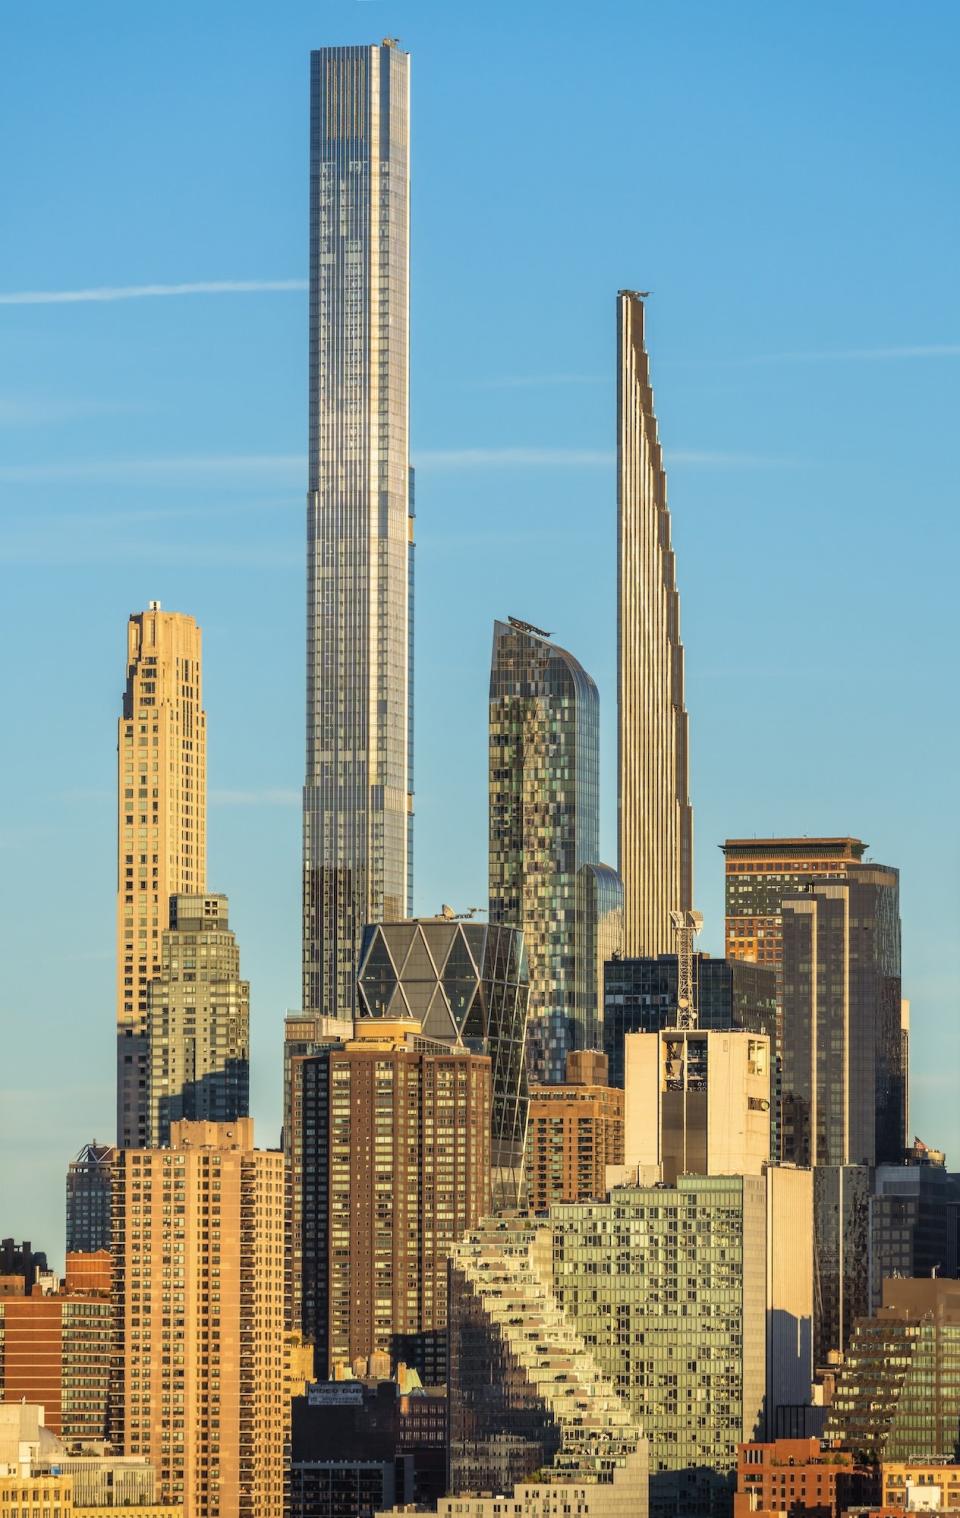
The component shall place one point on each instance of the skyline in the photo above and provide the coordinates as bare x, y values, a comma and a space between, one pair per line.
251, 865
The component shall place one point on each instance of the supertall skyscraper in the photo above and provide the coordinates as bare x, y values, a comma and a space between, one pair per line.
654, 812
161, 826
357, 799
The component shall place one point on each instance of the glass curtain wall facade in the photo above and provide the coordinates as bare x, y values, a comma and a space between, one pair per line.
654, 813
357, 800
667, 1287
843, 1056
544, 829
467, 984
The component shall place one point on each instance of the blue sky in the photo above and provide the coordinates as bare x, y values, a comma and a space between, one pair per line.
783, 179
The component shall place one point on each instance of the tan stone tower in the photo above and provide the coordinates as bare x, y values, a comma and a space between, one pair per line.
654, 814
198, 1251
161, 826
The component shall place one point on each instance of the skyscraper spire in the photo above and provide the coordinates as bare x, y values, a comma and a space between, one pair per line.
357, 798
655, 819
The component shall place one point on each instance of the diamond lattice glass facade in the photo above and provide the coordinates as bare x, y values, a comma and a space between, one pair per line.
357, 802
465, 983
545, 873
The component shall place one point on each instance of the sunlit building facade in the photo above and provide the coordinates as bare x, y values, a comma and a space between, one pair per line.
395, 1167
357, 800
655, 816
545, 874
161, 827
466, 984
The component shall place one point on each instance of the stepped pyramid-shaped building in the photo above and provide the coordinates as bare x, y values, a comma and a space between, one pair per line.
531, 1413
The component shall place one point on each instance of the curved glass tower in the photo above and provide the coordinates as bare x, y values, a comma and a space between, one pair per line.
357, 798
544, 835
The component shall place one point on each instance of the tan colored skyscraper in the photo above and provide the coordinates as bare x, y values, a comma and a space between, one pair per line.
198, 1242
161, 826
654, 813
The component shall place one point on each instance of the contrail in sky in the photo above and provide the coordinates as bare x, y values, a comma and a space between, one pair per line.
139, 292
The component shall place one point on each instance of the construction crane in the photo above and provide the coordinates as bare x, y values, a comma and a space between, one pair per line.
686, 926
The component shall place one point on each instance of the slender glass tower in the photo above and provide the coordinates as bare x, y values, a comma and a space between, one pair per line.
654, 812
357, 799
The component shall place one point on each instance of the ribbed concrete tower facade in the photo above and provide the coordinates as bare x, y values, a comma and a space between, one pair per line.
161, 826
655, 818
357, 800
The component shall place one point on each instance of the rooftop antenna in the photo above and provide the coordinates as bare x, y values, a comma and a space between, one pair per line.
686, 926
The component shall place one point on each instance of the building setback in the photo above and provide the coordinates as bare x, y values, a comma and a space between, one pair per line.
198, 1244
545, 875
198, 1022
533, 1416
357, 797
396, 1165
161, 826
654, 814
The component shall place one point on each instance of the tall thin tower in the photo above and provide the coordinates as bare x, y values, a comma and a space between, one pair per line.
655, 818
161, 827
357, 798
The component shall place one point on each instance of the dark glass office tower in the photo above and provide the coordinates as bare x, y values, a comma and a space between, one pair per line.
544, 836
640, 996
843, 1056
357, 799
89, 1190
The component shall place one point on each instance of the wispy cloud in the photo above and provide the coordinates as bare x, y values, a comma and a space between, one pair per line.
271, 796
34, 411
142, 292
188, 468
290, 468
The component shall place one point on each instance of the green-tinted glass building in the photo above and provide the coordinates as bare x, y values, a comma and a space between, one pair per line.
666, 1285
898, 1394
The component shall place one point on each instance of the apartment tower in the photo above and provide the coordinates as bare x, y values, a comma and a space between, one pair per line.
395, 1163
198, 1245
357, 798
655, 818
198, 1021
545, 875
161, 826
